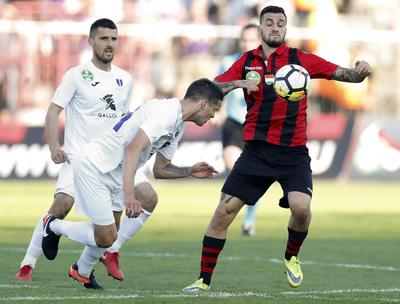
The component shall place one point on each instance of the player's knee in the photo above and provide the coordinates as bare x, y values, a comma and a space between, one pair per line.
106, 240
62, 205
147, 196
301, 211
150, 201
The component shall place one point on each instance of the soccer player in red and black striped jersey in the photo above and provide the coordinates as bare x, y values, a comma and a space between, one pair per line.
275, 135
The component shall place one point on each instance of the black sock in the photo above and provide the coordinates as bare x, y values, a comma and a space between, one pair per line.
295, 240
212, 247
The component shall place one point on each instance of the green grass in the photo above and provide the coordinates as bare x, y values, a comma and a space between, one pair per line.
350, 256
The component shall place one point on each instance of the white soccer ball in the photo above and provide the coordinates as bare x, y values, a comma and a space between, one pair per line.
292, 82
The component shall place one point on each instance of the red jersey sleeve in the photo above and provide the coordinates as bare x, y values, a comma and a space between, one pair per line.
234, 72
316, 66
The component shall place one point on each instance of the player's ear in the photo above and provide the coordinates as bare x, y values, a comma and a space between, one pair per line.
90, 41
203, 104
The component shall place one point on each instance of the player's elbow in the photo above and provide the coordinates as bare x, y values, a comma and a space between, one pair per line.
157, 172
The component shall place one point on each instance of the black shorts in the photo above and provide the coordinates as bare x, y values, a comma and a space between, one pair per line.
261, 164
232, 134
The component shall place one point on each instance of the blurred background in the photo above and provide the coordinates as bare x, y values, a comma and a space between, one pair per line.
354, 129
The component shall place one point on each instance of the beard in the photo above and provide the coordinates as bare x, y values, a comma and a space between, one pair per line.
272, 43
104, 59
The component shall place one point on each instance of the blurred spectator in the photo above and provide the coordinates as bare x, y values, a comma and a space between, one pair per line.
10, 65
195, 52
303, 9
168, 44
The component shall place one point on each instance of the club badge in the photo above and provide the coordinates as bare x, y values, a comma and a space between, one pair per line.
253, 75
87, 75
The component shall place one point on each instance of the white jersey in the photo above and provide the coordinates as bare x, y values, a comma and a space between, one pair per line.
159, 119
94, 100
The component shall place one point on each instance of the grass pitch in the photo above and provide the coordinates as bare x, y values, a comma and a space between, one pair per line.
350, 255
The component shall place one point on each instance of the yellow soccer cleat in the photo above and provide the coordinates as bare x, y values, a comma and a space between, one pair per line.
197, 286
293, 271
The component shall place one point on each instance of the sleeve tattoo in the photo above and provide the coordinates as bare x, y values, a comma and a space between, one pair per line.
171, 171
346, 75
226, 87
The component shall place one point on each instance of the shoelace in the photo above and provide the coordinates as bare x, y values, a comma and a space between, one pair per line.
296, 264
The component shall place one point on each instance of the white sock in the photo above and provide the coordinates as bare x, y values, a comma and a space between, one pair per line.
35, 246
129, 227
81, 232
88, 258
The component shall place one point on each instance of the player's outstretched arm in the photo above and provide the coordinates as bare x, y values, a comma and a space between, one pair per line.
164, 169
249, 85
57, 154
357, 74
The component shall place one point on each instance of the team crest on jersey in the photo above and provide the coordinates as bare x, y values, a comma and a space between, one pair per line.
87, 75
253, 75
269, 79
108, 99
119, 82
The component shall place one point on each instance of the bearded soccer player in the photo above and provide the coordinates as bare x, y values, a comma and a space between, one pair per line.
94, 96
275, 150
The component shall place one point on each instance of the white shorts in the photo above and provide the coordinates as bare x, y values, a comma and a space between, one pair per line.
65, 183
97, 194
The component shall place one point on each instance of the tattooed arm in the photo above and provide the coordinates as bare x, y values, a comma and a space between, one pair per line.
164, 169
357, 74
249, 85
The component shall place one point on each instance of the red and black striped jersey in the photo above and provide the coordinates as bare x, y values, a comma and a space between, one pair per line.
269, 117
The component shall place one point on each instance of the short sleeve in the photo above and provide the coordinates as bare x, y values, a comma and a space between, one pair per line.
157, 124
168, 151
66, 90
234, 72
316, 66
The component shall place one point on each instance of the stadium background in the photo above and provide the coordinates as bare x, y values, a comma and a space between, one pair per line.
167, 44
354, 132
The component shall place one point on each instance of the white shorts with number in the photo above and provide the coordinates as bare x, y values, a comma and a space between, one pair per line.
97, 194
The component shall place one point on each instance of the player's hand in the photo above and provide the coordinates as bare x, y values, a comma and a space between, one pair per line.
132, 206
59, 156
249, 85
363, 68
202, 170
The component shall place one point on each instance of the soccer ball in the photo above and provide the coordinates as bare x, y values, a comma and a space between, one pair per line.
291, 82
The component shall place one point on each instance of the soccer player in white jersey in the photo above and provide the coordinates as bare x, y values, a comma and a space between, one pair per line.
106, 170
94, 96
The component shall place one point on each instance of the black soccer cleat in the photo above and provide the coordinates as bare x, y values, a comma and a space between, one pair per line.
89, 283
50, 240
93, 283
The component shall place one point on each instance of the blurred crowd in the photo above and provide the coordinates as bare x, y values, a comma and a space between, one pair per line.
167, 44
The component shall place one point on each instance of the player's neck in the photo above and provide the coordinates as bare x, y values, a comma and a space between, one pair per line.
101, 65
189, 108
267, 50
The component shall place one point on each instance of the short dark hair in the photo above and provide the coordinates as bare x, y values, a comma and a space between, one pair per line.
272, 9
103, 22
204, 89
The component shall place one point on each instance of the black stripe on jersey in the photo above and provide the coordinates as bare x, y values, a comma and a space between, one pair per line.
250, 102
265, 111
289, 126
